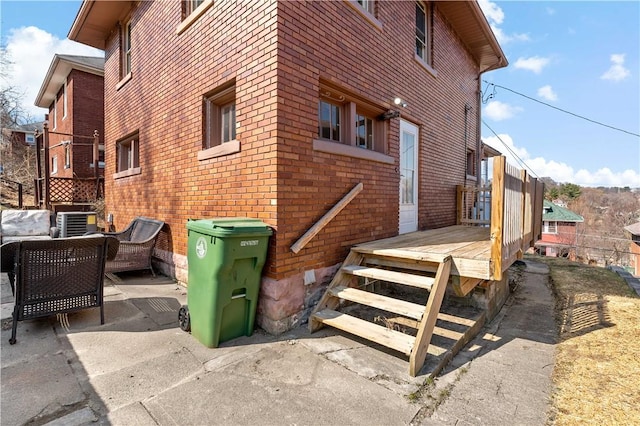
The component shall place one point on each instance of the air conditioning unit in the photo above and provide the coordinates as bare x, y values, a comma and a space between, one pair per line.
74, 224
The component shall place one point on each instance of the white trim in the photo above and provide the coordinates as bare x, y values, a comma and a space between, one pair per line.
124, 81
126, 173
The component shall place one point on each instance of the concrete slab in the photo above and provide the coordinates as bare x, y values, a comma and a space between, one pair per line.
143, 380
283, 384
38, 387
80, 417
132, 414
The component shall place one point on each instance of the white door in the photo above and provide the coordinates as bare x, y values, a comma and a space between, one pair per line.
408, 177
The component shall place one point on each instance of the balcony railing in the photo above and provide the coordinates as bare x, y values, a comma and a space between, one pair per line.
511, 207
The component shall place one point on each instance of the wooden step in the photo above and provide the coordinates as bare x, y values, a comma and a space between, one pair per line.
389, 304
395, 262
382, 335
391, 276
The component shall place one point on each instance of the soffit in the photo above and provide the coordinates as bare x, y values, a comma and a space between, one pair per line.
96, 19
469, 22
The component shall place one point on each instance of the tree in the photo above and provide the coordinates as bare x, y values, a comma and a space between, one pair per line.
570, 191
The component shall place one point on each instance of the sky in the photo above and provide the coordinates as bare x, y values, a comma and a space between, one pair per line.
566, 107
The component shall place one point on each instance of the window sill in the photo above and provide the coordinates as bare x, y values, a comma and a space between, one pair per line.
351, 151
189, 20
126, 173
221, 150
425, 65
124, 81
365, 14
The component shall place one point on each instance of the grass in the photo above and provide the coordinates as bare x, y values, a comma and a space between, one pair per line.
597, 370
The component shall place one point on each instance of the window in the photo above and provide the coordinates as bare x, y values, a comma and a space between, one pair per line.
191, 11
349, 125
64, 100
30, 138
550, 227
126, 49
366, 5
330, 121
55, 113
360, 128
54, 165
423, 25
219, 123
67, 155
190, 6
471, 162
127, 156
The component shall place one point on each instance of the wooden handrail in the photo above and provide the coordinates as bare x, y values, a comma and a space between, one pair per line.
317, 227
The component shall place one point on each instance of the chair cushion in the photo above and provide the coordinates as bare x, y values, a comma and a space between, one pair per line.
25, 223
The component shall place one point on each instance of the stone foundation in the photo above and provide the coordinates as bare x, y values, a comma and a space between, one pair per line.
282, 304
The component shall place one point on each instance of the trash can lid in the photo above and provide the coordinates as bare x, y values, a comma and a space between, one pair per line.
229, 226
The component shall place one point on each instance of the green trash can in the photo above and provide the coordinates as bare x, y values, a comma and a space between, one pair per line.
225, 258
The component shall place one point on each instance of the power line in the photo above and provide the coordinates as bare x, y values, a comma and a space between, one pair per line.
520, 160
562, 110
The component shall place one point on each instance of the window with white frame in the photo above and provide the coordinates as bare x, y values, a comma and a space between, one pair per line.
67, 156
64, 100
190, 5
423, 31
126, 49
55, 113
344, 119
30, 138
550, 227
54, 164
127, 153
220, 117
367, 5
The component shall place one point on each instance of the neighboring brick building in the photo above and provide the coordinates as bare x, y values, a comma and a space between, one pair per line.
73, 92
276, 109
633, 232
559, 231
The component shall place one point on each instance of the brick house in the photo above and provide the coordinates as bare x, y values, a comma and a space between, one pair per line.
277, 109
73, 93
633, 232
559, 231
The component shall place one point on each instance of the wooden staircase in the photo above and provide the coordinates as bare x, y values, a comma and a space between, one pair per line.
430, 273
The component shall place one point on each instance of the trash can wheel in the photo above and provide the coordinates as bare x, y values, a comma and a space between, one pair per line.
184, 319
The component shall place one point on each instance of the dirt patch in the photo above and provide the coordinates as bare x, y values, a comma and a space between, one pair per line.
597, 370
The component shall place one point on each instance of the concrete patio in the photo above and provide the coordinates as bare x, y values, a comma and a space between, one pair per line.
141, 368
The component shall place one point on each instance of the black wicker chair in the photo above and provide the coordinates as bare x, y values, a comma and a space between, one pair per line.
56, 276
136, 245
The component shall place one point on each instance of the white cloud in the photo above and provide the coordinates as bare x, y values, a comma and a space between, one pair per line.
499, 111
546, 92
617, 71
495, 16
534, 63
562, 172
30, 51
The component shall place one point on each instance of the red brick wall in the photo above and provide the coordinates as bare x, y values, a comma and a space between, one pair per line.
277, 176
86, 94
163, 101
85, 113
333, 42
567, 234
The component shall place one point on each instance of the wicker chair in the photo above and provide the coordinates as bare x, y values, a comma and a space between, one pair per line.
56, 276
136, 245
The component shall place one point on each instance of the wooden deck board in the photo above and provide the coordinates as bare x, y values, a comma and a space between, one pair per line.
469, 247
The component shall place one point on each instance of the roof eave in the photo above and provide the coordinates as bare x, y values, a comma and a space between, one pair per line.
56, 74
95, 21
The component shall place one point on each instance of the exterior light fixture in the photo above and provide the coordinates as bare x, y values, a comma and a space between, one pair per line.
400, 102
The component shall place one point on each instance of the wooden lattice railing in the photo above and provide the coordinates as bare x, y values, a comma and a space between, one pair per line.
75, 190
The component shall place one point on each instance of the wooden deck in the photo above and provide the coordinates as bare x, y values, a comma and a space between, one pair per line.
468, 246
